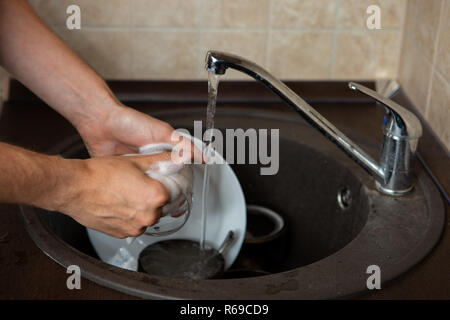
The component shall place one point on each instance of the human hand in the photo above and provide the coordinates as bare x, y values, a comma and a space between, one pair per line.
123, 130
111, 194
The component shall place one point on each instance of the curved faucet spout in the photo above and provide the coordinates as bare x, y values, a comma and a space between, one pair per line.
401, 131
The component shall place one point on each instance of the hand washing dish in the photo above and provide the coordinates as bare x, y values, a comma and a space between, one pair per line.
226, 211
178, 179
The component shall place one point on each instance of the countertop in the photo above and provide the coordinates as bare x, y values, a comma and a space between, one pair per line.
27, 273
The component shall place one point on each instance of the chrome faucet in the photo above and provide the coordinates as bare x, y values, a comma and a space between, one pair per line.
402, 129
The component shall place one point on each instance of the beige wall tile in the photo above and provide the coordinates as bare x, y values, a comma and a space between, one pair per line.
241, 27
168, 13
102, 12
366, 55
303, 13
159, 54
248, 44
297, 55
242, 13
438, 113
424, 24
49, 10
424, 71
410, 14
415, 75
106, 51
352, 13
443, 52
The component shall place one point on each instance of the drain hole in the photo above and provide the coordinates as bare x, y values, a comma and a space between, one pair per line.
344, 198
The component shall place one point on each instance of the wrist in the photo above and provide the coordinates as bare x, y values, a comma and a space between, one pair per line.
95, 108
62, 178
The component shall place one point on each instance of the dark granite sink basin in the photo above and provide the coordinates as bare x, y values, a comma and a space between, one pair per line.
327, 245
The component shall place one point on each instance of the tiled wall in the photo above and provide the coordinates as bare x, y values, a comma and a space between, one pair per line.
425, 62
295, 39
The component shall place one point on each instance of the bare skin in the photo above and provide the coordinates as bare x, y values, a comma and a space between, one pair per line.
108, 193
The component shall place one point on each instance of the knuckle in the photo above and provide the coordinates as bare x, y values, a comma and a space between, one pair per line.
131, 215
152, 218
137, 232
141, 220
116, 230
148, 218
120, 235
160, 195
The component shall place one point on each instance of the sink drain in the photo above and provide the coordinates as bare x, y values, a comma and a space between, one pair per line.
344, 198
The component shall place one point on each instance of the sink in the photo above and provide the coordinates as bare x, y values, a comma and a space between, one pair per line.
328, 243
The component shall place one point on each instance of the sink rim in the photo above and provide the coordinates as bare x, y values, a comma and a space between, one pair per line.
279, 285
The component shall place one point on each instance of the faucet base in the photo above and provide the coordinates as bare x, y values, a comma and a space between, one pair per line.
395, 193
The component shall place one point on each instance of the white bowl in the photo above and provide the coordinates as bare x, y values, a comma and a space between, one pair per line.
226, 211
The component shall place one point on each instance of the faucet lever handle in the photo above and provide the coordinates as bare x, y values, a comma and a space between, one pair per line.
402, 131
403, 124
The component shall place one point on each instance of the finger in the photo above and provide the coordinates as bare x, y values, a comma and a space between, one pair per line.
148, 218
181, 208
177, 214
135, 232
140, 231
127, 229
117, 228
158, 195
182, 202
155, 192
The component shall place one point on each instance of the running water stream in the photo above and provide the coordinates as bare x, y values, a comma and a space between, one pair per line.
213, 84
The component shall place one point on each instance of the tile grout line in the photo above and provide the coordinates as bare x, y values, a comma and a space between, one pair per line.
249, 29
429, 62
441, 76
433, 60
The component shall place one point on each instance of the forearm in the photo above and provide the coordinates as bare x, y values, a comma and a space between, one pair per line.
109, 194
41, 61
35, 179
